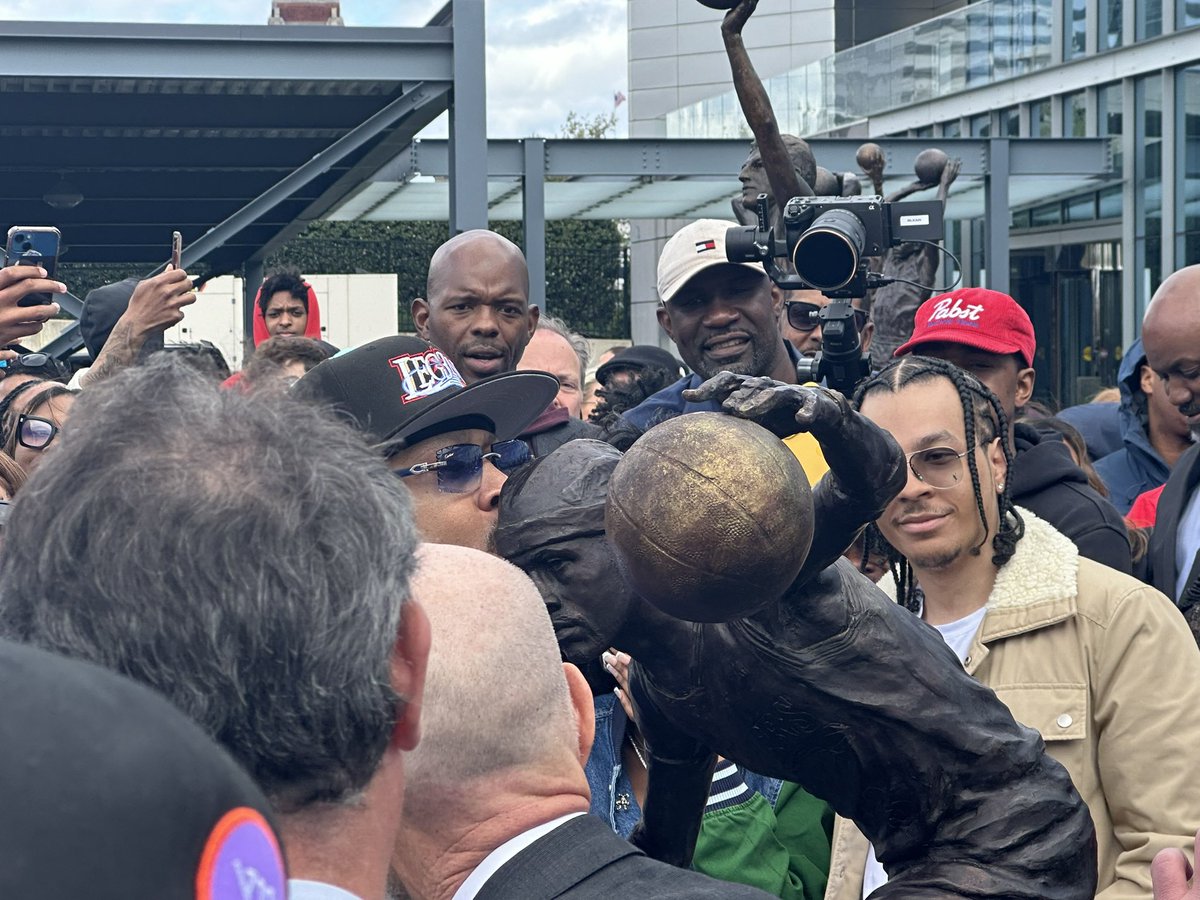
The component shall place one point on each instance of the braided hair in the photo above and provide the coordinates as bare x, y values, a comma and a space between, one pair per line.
983, 421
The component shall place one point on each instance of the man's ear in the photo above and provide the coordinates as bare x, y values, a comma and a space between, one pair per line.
1025, 380
410, 657
534, 315
995, 454
664, 320
866, 335
585, 710
776, 300
1146, 379
420, 317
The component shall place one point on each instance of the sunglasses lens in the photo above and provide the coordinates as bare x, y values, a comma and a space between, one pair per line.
938, 466
463, 464
511, 455
801, 315
36, 433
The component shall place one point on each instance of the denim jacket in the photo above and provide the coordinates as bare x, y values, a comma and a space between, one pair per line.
612, 794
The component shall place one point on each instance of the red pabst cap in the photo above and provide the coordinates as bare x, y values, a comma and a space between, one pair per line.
975, 317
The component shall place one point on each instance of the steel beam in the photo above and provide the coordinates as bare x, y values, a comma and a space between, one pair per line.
719, 159
383, 120
467, 154
87, 50
996, 256
533, 219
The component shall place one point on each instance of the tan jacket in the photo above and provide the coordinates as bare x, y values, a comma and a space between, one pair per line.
1105, 668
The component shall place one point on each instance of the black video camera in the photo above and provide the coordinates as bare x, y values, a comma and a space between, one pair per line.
828, 239
840, 362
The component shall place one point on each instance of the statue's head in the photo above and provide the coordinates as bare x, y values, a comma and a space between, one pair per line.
753, 175
551, 525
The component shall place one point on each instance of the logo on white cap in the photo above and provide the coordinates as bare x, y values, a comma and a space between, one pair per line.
425, 374
701, 246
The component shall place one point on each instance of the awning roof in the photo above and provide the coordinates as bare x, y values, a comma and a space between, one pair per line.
640, 178
165, 127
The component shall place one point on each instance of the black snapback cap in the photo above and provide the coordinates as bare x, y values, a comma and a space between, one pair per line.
111, 793
395, 388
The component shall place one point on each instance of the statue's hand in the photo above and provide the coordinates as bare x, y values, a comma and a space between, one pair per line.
737, 17
782, 409
950, 171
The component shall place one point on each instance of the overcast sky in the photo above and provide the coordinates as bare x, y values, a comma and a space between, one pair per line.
544, 57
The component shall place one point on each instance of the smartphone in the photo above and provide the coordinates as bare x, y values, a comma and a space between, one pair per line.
33, 246
176, 248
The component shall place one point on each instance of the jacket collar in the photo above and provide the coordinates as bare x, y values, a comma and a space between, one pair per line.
1039, 586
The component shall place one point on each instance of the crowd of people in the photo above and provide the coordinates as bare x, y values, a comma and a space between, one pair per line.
405, 653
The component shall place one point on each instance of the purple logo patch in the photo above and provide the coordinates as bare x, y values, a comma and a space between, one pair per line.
241, 860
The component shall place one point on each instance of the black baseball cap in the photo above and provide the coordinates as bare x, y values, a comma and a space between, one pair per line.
110, 792
640, 356
402, 390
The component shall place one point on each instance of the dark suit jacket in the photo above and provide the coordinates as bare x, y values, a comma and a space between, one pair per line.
1163, 569
583, 858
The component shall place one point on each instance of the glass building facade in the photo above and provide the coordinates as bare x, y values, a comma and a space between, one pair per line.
1085, 263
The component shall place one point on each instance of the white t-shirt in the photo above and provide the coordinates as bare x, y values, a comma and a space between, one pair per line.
958, 635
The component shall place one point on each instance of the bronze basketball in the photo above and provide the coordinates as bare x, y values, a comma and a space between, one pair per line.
869, 156
929, 164
710, 517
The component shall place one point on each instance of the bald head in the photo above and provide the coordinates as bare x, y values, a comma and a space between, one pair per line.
496, 697
476, 309
1171, 339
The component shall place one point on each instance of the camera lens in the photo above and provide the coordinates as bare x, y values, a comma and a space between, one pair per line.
740, 246
827, 254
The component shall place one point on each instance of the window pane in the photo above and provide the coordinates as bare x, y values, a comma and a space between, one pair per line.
1110, 202
1080, 209
1039, 119
1010, 122
981, 125
1110, 120
1189, 163
1188, 13
1075, 28
1110, 24
1075, 115
1050, 214
1149, 18
951, 129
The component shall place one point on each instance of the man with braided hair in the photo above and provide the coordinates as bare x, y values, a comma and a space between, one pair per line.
828, 685
1075, 649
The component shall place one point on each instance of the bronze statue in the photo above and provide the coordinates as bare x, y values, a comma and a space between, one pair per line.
893, 307
828, 684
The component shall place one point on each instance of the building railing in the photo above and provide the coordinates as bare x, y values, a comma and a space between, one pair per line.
980, 44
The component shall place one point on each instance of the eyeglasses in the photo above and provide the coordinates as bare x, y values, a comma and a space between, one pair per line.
35, 432
459, 467
938, 467
802, 315
25, 361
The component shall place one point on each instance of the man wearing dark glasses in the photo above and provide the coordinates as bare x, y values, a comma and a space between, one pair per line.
453, 444
802, 330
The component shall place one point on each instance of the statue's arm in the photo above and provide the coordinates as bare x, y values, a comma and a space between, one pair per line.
679, 775
756, 107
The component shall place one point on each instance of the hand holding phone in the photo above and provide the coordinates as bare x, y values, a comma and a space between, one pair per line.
33, 246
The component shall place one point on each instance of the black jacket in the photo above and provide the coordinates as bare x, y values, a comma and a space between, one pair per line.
1046, 481
543, 442
583, 858
1163, 565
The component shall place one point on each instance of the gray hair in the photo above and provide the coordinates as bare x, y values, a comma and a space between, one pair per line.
247, 557
577, 341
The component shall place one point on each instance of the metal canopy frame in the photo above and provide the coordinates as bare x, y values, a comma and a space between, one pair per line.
237, 136
638, 164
